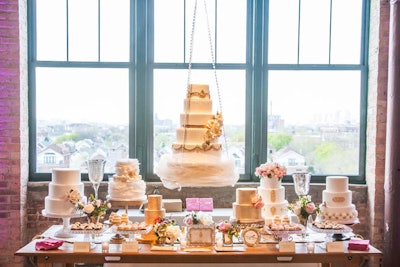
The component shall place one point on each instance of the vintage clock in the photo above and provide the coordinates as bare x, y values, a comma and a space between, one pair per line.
251, 236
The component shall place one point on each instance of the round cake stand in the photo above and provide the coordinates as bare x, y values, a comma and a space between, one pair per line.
64, 232
333, 234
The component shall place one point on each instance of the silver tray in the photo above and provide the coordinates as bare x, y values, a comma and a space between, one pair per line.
89, 232
346, 229
115, 230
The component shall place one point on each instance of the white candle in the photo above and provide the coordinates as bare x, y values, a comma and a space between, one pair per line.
220, 243
310, 248
183, 243
105, 246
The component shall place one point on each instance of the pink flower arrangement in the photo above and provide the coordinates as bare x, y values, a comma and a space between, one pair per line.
198, 217
303, 208
227, 228
270, 169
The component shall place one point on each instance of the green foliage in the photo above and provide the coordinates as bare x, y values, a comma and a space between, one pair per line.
279, 140
163, 139
325, 149
67, 137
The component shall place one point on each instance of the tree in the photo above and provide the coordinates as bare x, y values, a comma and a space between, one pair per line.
279, 140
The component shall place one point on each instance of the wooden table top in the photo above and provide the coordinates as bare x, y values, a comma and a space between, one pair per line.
267, 253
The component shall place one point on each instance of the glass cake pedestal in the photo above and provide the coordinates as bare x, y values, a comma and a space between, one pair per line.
64, 232
334, 234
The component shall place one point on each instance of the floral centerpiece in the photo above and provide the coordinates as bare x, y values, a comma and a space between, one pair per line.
198, 218
200, 229
228, 231
94, 209
303, 208
270, 170
166, 230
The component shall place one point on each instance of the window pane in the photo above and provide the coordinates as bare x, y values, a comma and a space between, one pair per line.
51, 30
83, 30
317, 127
168, 31
282, 31
231, 41
114, 30
170, 92
201, 43
314, 31
346, 31
78, 117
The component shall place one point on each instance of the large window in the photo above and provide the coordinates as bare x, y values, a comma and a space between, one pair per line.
109, 77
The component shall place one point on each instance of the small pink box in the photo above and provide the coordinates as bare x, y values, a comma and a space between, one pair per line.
192, 204
206, 204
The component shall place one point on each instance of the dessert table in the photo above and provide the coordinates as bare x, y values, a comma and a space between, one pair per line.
262, 253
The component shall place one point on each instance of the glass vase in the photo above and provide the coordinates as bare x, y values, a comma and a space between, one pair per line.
227, 240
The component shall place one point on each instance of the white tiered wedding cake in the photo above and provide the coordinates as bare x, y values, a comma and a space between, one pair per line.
337, 201
197, 155
63, 182
127, 184
273, 195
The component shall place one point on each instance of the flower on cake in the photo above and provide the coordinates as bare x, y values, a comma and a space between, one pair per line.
257, 201
226, 227
303, 208
166, 230
198, 218
73, 196
270, 169
214, 128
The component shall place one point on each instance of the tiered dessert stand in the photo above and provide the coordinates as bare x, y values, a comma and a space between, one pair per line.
118, 237
286, 235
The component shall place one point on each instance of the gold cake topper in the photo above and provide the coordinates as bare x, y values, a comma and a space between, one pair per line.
201, 94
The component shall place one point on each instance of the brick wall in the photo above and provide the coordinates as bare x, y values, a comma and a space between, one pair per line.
19, 221
376, 127
11, 195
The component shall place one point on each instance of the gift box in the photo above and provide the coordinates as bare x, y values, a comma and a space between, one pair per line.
199, 204
206, 204
192, 204
356, 244
172, 205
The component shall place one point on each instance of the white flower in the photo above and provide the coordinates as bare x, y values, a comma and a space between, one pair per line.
74, 196
173, 232
205, 218
89, 208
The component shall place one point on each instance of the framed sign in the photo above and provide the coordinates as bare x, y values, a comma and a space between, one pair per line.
200, 235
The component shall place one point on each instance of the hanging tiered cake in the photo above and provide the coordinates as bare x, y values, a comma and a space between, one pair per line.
197, 158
